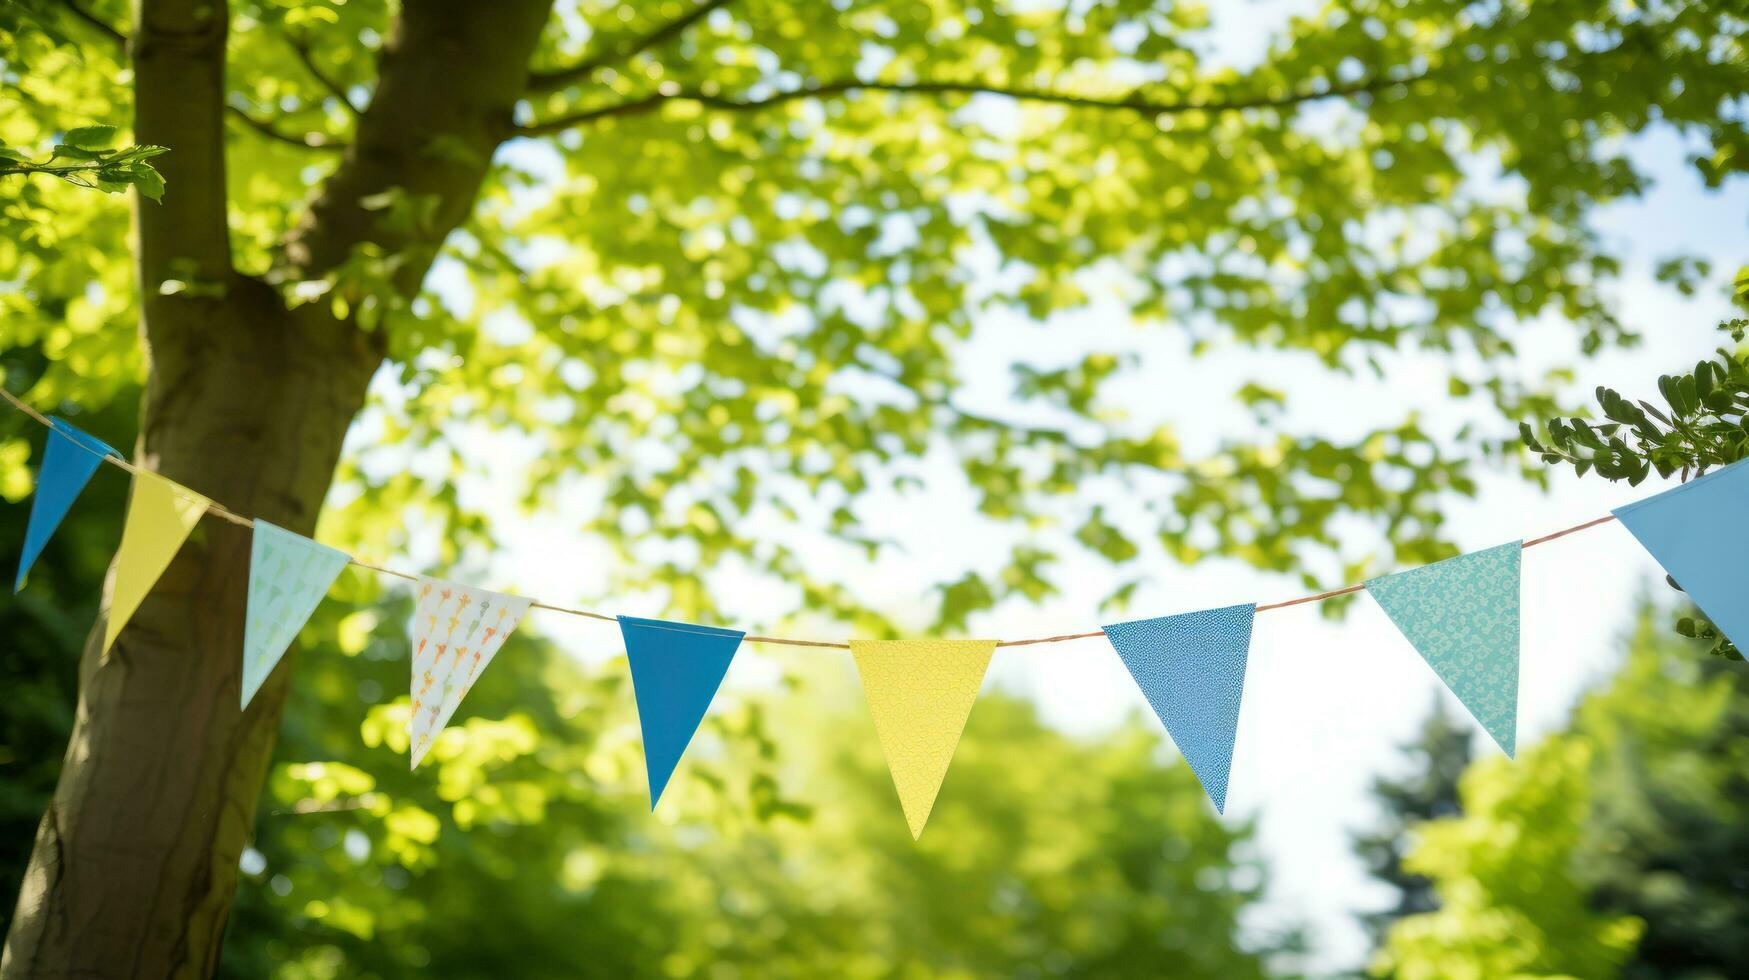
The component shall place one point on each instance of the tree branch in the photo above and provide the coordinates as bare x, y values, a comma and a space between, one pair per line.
308, 141
549, 81
452, 72
178, 54
96, 22
302, 50
1132, 103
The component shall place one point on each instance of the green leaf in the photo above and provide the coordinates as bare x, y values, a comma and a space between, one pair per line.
68, 151
148, 181
90, 137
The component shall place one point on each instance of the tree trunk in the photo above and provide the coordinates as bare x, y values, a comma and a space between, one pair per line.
247, 402
136, 858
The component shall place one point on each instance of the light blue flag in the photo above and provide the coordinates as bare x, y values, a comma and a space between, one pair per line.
288, 576
1696, 531
69, 459
1461, 615
1191, 668
676, 670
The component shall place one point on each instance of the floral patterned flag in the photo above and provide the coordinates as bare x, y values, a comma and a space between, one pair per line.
1461, 614
1191, 668
456, 629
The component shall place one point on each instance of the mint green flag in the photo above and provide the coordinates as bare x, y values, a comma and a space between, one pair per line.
1461, 615
288, 576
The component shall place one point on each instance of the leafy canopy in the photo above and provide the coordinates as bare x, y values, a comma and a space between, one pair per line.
727, 261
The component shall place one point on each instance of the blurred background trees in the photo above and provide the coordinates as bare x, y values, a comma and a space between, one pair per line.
1617, 847
1426, 790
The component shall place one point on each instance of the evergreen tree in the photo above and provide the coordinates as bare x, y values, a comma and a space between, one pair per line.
1619, 847
1667, 838
1438, 755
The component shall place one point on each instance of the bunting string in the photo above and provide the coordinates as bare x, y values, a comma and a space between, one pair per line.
224, 513
1461, 615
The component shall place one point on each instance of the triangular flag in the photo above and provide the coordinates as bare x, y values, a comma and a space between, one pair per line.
1191, 668
676, 670
920, 693
288, 576
1461, 615
69, 459
456, 631
1696, 532
160, 516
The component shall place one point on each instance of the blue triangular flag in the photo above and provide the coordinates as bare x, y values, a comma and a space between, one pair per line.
1191, 668
288, 576
676, 670
1696, 532
1461, 615
69, 459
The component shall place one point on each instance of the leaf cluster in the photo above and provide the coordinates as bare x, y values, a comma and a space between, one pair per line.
1702, 424
740, 323
86, 156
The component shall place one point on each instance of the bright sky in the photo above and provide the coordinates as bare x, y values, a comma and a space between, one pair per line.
1326, 703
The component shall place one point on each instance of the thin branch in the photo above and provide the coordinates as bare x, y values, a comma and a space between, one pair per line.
70, 172
93, 20
302, 50
1133, 103
308, 141
549, 81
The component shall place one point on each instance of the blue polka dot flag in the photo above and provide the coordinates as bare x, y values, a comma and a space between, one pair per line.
1461, 615
676, 670
69, 459
1191, 668
1696, 531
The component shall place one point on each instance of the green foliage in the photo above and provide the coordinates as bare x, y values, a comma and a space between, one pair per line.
716, 306
1509, 904
1429, 791
1614, 848
1704, 424
1701, 426
87, 159
1669, 824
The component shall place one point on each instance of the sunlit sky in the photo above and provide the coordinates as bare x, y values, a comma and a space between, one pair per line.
1326, 703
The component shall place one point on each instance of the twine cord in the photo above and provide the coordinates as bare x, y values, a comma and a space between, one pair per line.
225, 514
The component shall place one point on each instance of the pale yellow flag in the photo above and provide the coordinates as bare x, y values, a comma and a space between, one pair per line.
920, 693
160, 516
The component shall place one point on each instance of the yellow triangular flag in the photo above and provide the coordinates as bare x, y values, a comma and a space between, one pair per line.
160, 516
920, 693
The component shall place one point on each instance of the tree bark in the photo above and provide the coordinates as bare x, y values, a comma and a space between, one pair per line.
247, 402
135, 861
